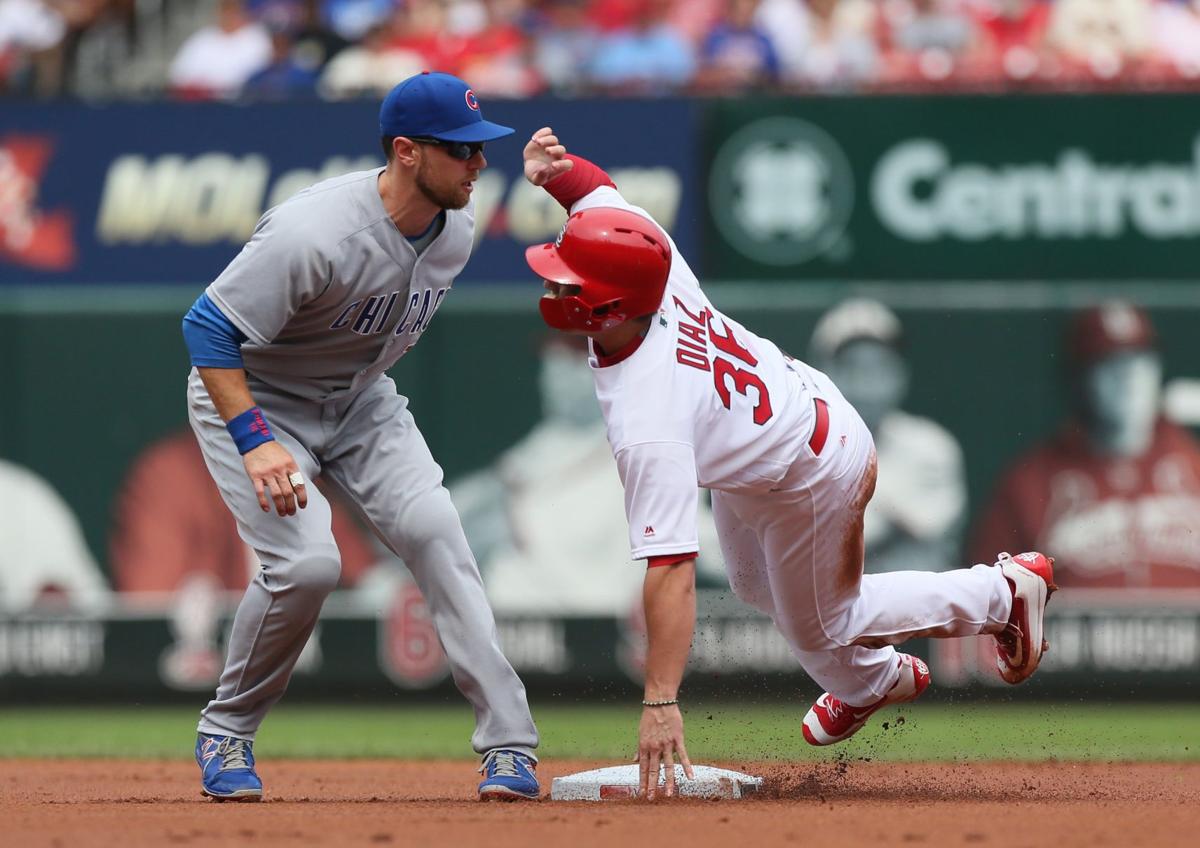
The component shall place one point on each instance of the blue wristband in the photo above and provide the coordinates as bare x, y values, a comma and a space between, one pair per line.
249, 430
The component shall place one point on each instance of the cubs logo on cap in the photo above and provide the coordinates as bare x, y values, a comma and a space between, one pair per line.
436, 105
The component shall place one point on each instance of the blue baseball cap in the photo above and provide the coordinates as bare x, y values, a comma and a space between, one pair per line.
437, 106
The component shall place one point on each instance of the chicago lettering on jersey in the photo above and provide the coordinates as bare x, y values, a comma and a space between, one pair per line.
370, 315
421, 320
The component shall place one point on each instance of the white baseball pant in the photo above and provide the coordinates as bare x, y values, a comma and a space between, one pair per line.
796, 554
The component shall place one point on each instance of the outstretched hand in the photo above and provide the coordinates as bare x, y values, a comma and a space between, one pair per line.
545, 158
660, 739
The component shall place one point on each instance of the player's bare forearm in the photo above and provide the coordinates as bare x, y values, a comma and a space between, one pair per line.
270, 467
228, 389
669, 599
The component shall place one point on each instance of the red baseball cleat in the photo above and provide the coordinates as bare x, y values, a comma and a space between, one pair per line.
1019, 647
830, 720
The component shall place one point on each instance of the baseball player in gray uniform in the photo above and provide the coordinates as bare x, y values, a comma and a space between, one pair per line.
290, 346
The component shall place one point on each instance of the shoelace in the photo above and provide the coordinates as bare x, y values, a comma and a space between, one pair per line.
503, 764
233, 754
834, 707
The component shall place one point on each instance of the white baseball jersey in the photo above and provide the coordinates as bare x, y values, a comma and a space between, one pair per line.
702, 400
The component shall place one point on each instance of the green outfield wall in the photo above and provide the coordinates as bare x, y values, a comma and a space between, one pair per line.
92, 377
984, 223
93, 380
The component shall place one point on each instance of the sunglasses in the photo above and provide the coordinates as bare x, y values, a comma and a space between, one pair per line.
461, 150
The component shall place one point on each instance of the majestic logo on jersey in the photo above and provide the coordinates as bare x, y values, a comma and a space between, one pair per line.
649, 531
472, 101
369, 316
782, 191
29, 236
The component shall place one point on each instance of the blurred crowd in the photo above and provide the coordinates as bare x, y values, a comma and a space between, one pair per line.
519, 48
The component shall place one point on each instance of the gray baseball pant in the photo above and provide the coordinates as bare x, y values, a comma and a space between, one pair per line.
368, 445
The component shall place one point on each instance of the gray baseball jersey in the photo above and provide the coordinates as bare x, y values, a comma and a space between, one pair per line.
330, 294
328, 291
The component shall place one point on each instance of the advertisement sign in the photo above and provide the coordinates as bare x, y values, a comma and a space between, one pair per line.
169, 192
1097, 649
857, 188
1000, 188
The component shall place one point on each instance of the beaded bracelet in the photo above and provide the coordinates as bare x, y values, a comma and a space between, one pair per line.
669, 703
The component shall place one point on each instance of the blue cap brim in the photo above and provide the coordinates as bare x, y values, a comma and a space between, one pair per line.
478, 131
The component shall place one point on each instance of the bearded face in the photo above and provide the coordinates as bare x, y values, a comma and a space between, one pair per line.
444, 181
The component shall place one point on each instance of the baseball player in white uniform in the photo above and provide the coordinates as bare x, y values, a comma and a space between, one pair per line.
290, 346
691, 397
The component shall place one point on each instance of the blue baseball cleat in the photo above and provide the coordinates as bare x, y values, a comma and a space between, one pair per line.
227, 768
508, 776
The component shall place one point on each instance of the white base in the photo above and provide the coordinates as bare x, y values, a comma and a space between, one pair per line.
616, 782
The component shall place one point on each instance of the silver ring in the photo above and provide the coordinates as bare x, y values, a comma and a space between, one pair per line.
296, 478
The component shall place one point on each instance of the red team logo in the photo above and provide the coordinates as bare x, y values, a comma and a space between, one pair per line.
28, 236
472, 102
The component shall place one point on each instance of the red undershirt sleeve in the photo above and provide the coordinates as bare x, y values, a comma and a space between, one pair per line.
583, 178
668, 559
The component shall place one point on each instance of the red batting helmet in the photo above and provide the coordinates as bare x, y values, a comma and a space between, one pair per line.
619, 260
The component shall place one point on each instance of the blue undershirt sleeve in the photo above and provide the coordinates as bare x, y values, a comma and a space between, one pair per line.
212, 339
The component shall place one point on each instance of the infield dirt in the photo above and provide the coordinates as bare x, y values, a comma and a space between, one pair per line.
76, 803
